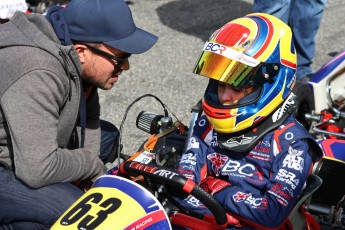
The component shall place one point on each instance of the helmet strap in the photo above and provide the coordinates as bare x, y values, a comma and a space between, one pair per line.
246, 140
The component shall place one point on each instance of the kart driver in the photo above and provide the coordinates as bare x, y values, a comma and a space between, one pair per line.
248, 151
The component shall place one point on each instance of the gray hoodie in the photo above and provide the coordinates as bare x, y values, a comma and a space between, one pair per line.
39, 103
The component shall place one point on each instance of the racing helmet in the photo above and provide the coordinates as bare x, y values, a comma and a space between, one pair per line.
256, 51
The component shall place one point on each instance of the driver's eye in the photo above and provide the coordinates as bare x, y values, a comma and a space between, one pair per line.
225, 85
238, 89
222, 84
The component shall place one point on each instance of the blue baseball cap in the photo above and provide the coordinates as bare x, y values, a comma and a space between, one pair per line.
109, 22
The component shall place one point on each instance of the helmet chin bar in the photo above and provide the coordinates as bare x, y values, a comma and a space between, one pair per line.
244, 141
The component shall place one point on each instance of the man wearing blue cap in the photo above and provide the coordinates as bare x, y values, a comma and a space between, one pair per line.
50, 128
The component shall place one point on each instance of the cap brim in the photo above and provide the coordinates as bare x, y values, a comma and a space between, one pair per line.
136, 43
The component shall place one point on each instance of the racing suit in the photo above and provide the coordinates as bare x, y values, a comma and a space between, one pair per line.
265, 182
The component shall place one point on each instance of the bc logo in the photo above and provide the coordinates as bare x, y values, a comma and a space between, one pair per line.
214, 47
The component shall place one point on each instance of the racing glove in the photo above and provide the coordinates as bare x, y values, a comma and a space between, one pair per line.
213, 185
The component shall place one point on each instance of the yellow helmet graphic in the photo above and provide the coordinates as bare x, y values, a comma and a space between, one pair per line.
253, 51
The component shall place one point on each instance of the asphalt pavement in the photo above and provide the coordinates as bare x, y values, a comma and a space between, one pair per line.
166, 70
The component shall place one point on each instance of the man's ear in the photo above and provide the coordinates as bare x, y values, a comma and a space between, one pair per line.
81, 51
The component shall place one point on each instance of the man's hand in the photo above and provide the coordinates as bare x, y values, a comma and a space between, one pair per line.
213, 185
84, 185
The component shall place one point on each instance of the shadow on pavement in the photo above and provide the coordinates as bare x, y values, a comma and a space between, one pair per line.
201, 18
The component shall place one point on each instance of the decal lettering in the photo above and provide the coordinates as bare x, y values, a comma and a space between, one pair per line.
193, 201
165, 173
287, 177
142, 167
293, 162
235, 166
253, 202
88, 221
230, 53
214, 47
143, 223
188, 158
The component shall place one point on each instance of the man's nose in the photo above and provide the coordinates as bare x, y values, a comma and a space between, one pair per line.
227, 96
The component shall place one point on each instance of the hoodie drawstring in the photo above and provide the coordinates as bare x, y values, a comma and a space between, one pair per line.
82, 115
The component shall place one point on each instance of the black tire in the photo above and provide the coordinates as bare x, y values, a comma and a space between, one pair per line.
305, 100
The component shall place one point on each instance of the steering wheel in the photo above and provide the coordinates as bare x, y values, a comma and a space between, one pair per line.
172, 178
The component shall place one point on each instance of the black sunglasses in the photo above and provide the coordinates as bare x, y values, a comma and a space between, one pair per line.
119, 60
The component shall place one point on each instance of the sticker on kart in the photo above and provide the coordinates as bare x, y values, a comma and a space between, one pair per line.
114, 202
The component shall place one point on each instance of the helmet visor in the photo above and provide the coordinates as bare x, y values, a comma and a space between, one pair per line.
228, 65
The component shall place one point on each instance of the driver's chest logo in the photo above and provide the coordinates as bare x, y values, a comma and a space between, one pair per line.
217, 160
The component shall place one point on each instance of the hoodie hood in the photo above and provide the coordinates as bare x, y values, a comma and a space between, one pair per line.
34, 30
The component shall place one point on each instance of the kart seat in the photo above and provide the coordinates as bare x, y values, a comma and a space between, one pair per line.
299, 217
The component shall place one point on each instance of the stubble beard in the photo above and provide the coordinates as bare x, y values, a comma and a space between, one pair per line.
88, 77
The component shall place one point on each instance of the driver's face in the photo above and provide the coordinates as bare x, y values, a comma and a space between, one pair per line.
230, 95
